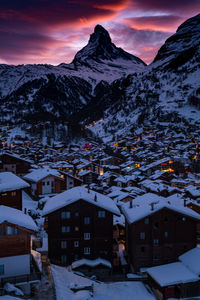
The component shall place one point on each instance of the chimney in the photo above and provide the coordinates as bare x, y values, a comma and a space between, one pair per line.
131, 204
95, 198
88, 189
152, 205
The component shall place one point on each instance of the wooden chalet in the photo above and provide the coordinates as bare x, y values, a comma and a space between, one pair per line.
11, 187
15, 164
80, 225
16, 229
158, 229
44, 181
179, 279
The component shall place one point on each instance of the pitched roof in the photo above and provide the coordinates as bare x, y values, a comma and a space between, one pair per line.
191, 259
17, 217
41, 173
11, 182
170, 274
142, 207
80, 193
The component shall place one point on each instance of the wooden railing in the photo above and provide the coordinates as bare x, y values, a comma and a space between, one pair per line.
20, 279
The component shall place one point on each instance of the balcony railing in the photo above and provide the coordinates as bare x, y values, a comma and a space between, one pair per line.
20, 279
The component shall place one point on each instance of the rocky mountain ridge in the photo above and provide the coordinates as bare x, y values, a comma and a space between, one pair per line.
105, 82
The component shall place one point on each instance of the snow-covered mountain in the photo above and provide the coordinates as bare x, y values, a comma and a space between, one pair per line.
105, 82
33, 91
167, 91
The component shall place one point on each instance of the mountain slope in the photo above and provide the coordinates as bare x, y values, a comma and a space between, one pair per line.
167, 91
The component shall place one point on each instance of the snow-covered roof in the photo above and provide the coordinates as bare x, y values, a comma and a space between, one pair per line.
41, 173
80, 193
91, 263
191, 259
11, 182
170, 274
17, 217
142, 207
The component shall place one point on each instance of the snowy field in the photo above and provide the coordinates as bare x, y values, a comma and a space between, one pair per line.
65, 279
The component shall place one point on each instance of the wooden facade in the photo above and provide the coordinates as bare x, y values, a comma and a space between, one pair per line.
15, 241
91, 240
14, 164
12, 199
160, 238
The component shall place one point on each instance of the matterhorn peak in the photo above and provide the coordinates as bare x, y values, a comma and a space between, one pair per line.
100, 49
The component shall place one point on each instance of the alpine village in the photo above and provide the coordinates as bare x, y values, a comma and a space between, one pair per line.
100, 174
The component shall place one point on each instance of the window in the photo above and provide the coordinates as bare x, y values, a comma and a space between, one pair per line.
86, 220
183, 219
142, 235
13, 194
76, 214
43, 183
86, 236
9, 230
156, 225
146, 221
165, 234
76, 228
63, 244
101, 214
1, 269
86, 250
156, 242
65, 229
47, 182
63, 259
65, 214
76, 243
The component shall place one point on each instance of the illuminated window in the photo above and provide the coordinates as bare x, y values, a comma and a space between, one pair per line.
13, 194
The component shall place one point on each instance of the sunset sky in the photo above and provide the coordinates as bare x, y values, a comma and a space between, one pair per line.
52, 31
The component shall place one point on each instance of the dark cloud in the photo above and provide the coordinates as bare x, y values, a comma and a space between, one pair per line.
187, 6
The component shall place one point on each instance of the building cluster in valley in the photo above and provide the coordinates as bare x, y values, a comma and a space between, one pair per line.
128, 206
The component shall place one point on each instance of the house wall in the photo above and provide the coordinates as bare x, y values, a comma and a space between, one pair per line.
156, 248
18, 166
15, 265
14, 244
100, 229
12, 199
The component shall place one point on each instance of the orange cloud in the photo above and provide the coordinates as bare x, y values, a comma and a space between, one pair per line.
165, 23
